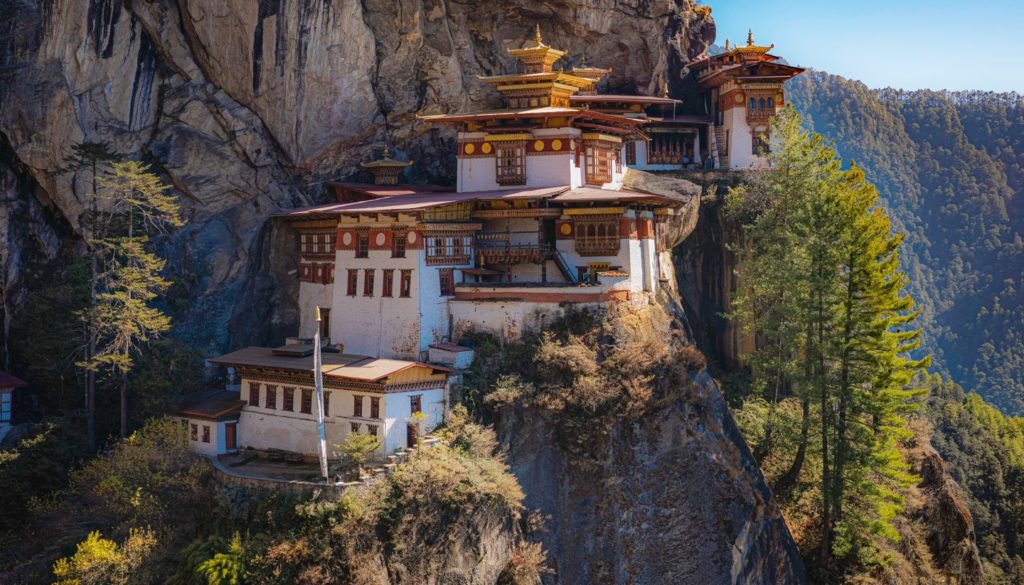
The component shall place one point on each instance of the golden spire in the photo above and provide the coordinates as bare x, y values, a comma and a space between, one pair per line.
750, 37
727, 45
536, 36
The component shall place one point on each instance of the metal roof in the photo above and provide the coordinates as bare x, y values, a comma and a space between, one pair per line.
334, 365
9, 381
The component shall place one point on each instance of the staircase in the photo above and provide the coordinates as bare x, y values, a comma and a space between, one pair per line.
563, 266
718, 145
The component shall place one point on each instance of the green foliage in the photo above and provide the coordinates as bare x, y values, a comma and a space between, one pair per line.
225, 568
99, 561
37, 466
985, 453
358, 447
822, 291
949, 168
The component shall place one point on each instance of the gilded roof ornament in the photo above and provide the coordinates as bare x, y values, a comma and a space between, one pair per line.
750, 37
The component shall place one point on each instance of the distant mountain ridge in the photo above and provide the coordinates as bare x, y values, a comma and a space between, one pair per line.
950, 167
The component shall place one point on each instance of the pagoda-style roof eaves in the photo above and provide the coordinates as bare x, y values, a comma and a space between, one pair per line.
541, 112
626, 99
550, 76
385, 163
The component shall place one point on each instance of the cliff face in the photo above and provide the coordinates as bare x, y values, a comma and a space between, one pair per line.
247, 107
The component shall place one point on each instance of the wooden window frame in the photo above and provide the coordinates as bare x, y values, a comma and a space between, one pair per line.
353, 427
363, 243
416, 403
288, 398
271, 397
405, 285
599, 163
630, 153
372, 430
368, 278
446, 281
398, 243
357, 405
306, 406
254, 394
375, 407
325, 323
194, 432
327, 403
510, 162
597, 237
206, 434
353, 282
448, 248
388, 284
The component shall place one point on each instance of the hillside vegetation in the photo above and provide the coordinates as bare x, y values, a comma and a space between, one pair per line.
950, 168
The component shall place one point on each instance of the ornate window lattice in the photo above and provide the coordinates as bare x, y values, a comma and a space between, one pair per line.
368, 275
405, 287
447, 282
362, 243
598, 164
353, 282
449, 248
597, 237
387, 287
398, 243
510, 160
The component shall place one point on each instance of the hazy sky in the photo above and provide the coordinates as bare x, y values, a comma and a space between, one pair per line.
910, 44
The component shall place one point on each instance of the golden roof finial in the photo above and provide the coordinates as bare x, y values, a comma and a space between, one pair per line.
536, 35
750, 37
727, 45
387, 152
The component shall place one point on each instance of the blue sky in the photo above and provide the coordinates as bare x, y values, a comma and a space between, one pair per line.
910, 44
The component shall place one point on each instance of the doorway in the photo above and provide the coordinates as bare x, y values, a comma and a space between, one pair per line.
230, 432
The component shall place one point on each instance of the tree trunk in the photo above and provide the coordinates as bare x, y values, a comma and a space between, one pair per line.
789, 479
124, 404
826, 520
90, 353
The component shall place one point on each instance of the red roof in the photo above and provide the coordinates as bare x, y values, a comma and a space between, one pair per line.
388, 190
217, 406
424, 200
588, 194
9, 381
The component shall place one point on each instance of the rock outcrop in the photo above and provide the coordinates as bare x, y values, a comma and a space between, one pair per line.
248, 107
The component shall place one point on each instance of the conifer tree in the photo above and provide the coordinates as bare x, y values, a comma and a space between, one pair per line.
823, 295
136, 204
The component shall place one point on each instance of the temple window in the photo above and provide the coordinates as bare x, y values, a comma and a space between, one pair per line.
416, 403
357, 406
206, 433
398, 243
447, 282
631, 153
195, 432
327, 403
374, 407
368, 275
511, 163
405, 287
389, 282
599, 164
363, 244
307, 401
353, 280
771, 103
289, 399
752, 104
354, 427
597, 237
254, 394
271, 397
371, 430
453, 248
760, 104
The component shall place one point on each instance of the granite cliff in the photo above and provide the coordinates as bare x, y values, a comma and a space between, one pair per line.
248, 107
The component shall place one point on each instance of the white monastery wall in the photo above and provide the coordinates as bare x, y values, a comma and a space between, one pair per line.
311, 295
549, 170
377, 326
398, 409
218, 436
509, 319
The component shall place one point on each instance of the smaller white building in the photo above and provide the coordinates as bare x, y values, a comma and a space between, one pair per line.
275, 409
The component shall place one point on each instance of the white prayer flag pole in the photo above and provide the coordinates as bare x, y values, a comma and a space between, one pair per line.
318, 381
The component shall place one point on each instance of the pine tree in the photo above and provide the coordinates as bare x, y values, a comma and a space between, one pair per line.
823, 294
136, 205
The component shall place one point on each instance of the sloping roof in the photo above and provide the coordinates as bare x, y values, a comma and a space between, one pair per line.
9, 381
452, 347
626, 99
213, 407
372, 190
541, 112
423, 200
334, 365
593, 194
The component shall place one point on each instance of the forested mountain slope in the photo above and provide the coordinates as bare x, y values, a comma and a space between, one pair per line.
950, 166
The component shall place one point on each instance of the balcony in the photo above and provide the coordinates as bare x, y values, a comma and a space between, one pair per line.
498, 248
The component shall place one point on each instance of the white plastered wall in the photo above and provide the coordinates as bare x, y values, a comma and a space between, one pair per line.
398, 410
311, 295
